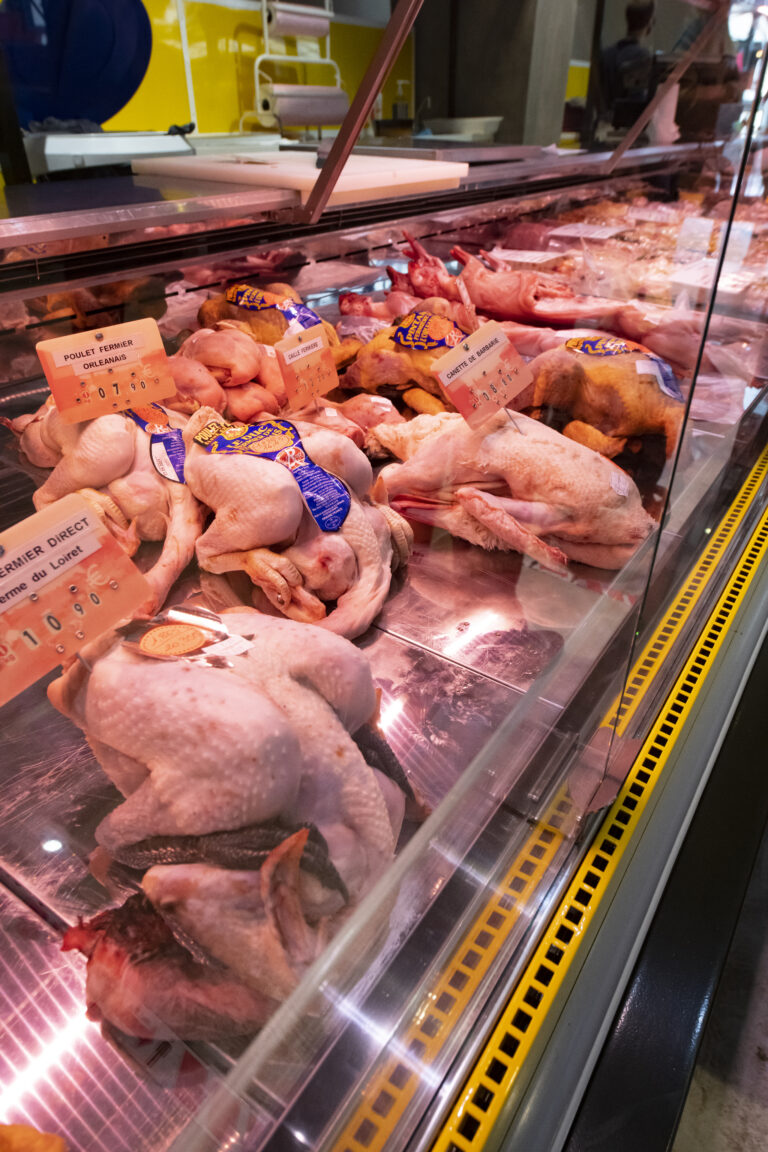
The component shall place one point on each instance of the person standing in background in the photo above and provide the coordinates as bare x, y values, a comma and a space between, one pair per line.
626, 67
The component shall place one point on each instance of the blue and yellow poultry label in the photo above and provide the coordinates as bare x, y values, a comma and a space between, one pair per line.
425, 331
324, 494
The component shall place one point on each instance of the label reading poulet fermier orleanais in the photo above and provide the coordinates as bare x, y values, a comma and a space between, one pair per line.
257, 300
324, 494
425, 331
166, 444
106, 370
614, 346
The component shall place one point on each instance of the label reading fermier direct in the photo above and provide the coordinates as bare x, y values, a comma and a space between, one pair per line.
64, 579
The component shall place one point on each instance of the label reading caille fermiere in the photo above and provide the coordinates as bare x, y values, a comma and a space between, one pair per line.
324, 494
307, 365
106, 370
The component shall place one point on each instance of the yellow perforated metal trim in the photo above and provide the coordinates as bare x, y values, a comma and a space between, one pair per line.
483, 1095
394, 1082
647, 666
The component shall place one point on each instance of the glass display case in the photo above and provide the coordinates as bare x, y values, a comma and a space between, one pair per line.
585, 566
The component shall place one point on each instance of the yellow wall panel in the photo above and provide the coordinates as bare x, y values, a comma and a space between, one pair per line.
223, 44
578, 80
161, 99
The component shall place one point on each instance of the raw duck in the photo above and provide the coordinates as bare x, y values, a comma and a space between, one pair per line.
515, 485
107, 460
262, 526
610, 395
260, 740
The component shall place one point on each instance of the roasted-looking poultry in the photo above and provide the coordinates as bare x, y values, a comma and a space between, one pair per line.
111, 462
263, 526
266, 312
246, 797
611, 390
402, 356
514, 484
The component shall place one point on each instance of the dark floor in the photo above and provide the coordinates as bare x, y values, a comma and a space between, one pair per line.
727, 1106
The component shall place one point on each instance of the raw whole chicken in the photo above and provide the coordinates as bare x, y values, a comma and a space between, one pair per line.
263, 526
426, 276
526, 296
245, 377
514, 484
108, 461
243, 781
611, 391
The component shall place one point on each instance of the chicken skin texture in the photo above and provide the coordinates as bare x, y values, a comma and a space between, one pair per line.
515, 484
609, 398
108, 461
263, 527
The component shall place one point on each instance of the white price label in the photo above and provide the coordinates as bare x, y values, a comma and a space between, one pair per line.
587, 231
483, 373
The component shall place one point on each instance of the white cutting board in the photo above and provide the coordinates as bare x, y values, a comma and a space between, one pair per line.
363, 177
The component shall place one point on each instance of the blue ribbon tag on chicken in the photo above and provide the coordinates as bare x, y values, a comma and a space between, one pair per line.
425, 331
166, 444
326, 497
613, 346
256, 300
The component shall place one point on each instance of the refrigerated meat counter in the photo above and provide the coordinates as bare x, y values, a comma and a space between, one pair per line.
535, 713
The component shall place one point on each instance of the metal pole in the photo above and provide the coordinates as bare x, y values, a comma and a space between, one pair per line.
390, 44
13, 156
594, 87
715, 20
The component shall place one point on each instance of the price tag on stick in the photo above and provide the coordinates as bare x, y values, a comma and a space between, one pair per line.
107, 370
307, 365
483, 373
64, 580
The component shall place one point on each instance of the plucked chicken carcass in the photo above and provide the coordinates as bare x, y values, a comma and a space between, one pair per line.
611, 390
515, 484
525, 296
426, 276
241, 377
247, 799
262, 524
108, 460
398, 303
